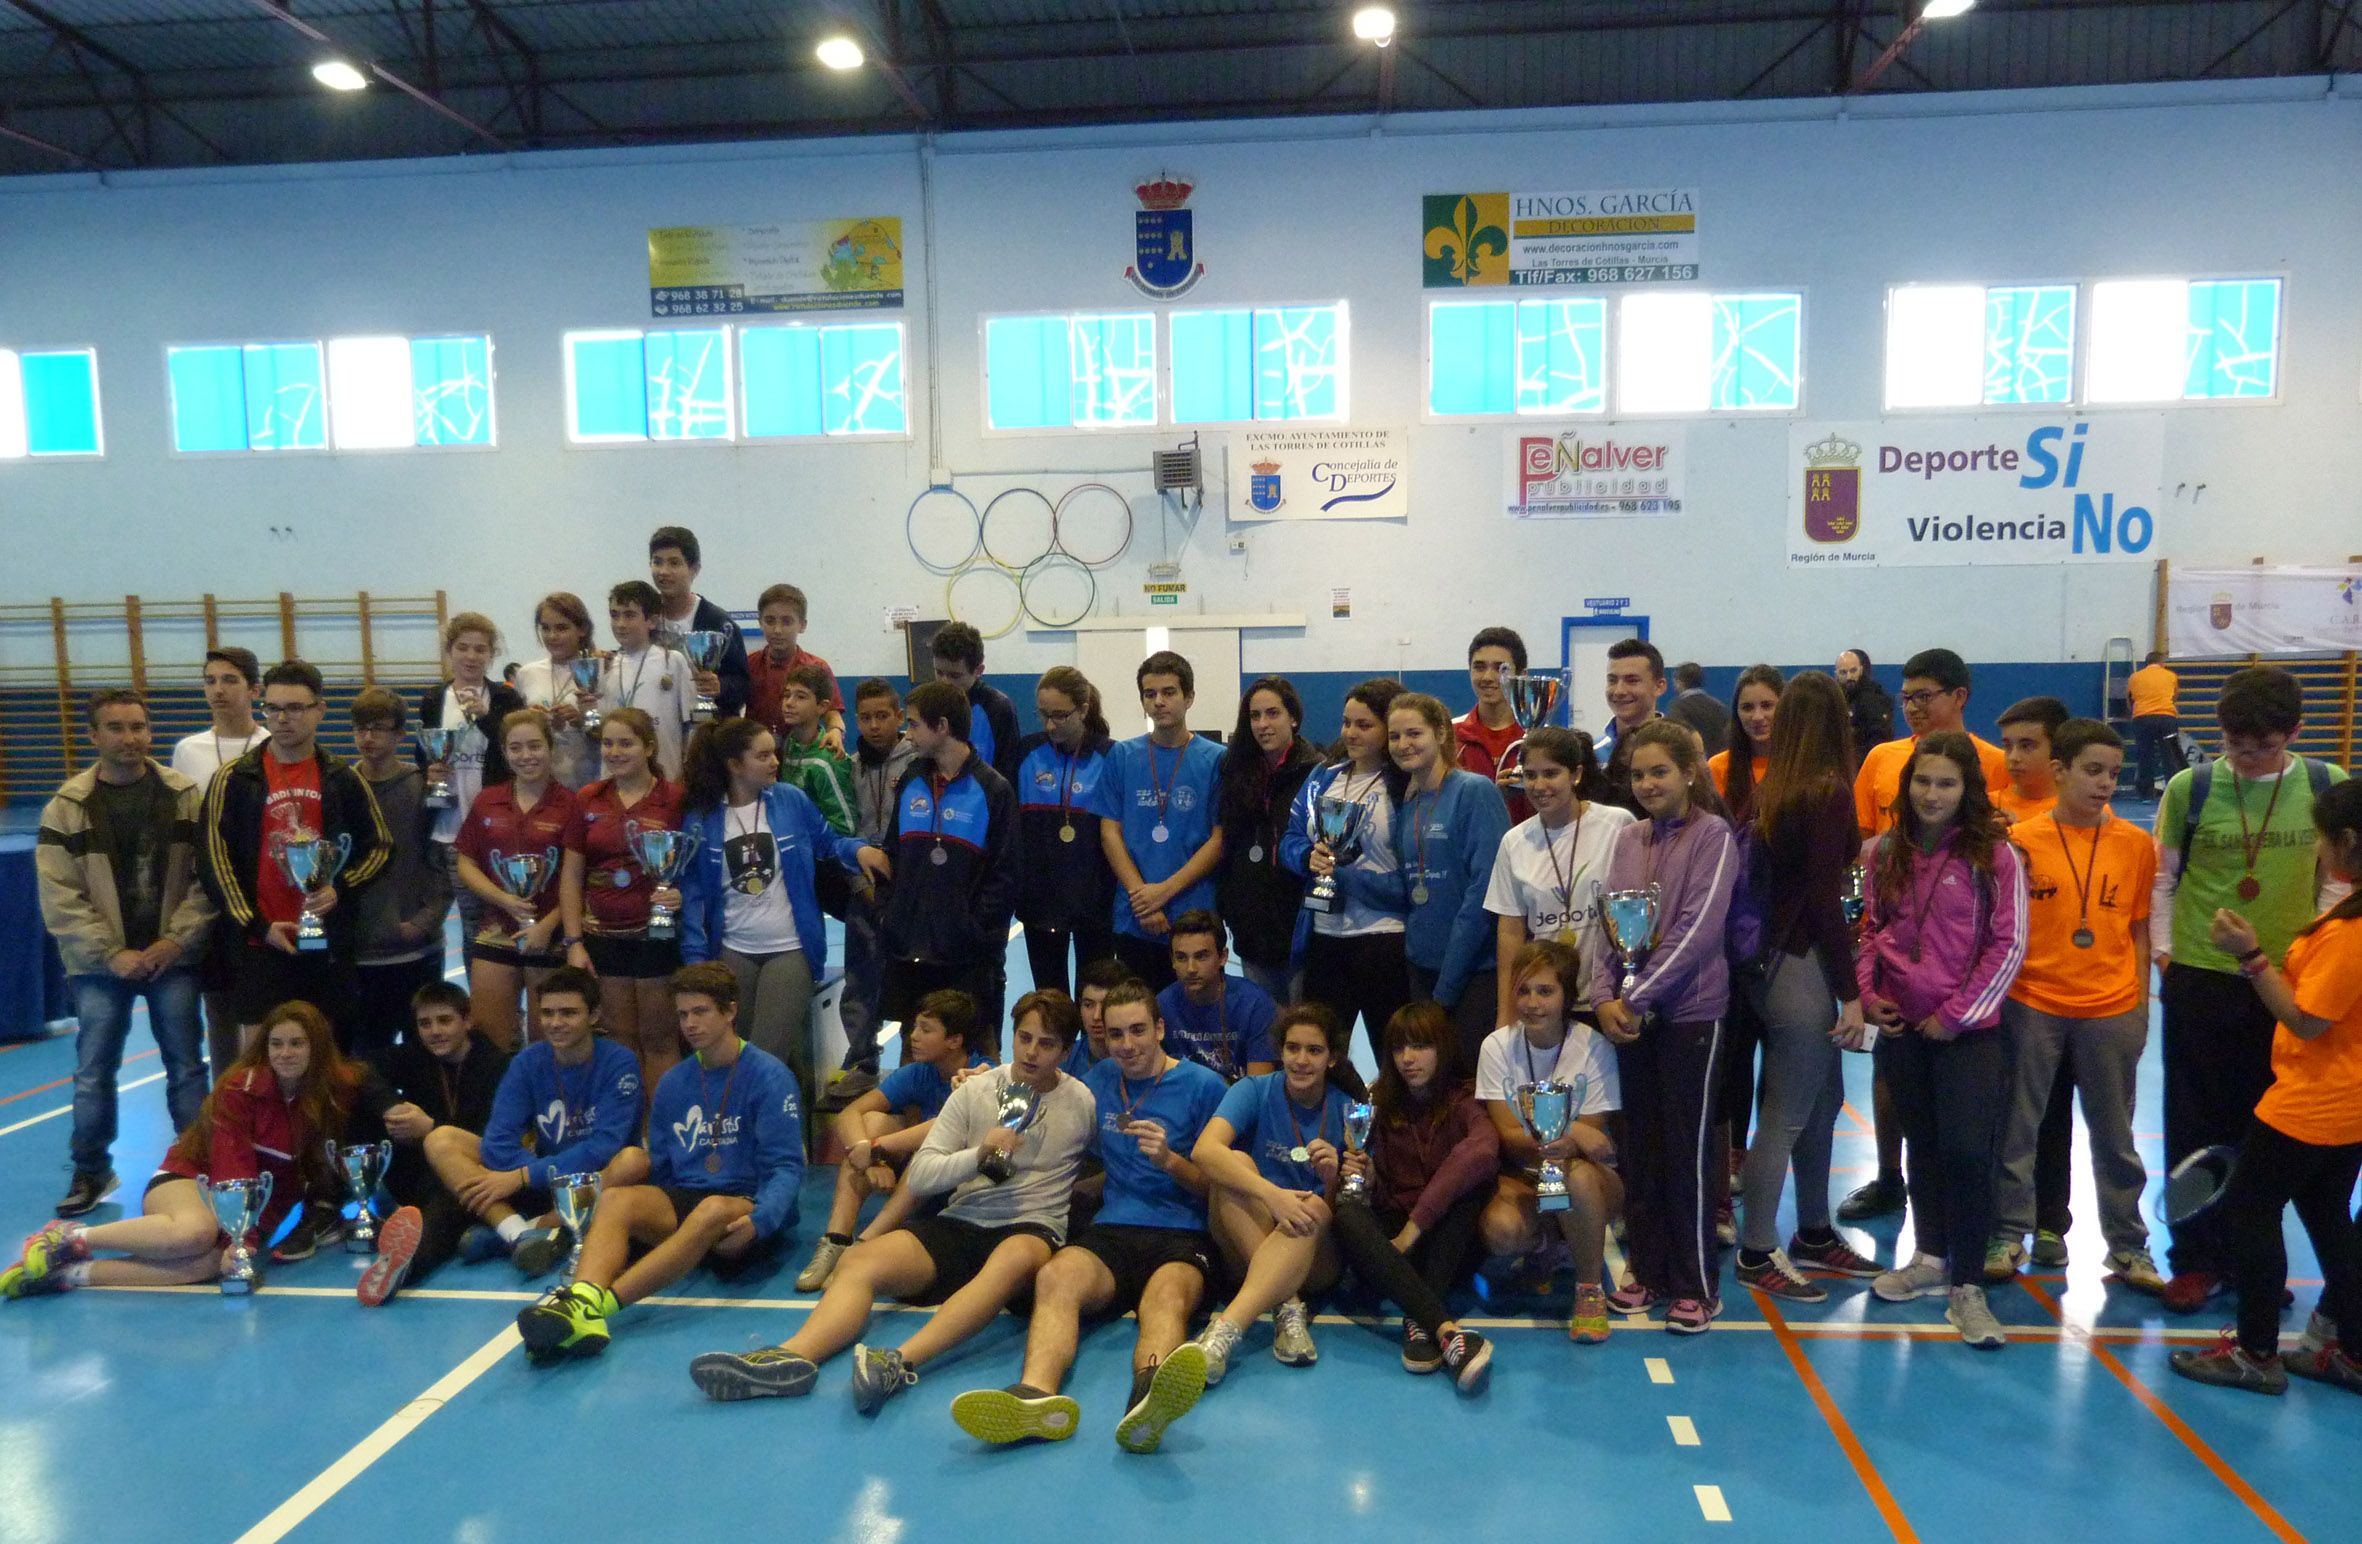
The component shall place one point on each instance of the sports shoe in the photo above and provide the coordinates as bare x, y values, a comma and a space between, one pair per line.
2325, 1364
1018, 1413
1469, 1357
1738, 1163
1631, 1299
1836, 1257
397, 1245
2050, 1250
1692, 1315
877, 1377
2136, 1270
1420, 1353
1726, 1225
1882, 1197
2003, 1256
1972, 1316
2320, 1333
37, 1269
1926, 1275
825, 1256
482, 1244
1777, 1277
1588, 1326
1180, 1378
86, 1192
568, 1321
2189, 1290
538, 1251
2230, 1365
1291, 1338
319, 1224
1221, 1337
772, 1372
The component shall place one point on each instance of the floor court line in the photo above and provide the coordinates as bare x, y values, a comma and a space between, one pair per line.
62, 1082
67, 1109
1710, 1503
1864, 1470
2200, 1448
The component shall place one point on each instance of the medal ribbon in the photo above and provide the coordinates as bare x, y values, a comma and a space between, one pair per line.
2090, 872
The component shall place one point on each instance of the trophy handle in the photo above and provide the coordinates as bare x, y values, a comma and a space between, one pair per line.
262, 1190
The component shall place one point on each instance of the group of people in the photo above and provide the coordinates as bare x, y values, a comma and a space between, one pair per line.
1146, 1131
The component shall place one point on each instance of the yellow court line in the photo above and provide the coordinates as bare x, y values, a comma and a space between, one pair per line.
1711, 1504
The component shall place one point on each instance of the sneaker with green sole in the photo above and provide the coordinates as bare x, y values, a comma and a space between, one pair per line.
1018, 1413
2003, 1256
568, 1321
1180, 1379
770, 1373
879, 1375
2050, 1250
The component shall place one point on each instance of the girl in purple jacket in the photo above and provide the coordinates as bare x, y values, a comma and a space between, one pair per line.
1942, 939
1668, 1029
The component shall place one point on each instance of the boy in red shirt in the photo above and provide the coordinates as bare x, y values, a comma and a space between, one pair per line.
1486, 732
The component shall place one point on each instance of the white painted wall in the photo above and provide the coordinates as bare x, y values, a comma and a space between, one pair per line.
2250, 178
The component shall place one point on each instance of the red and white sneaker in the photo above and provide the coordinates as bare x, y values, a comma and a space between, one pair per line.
397, 1244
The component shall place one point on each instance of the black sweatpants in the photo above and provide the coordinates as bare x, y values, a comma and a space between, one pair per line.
383, 1015
2218, 1062
907, 983
1420, 1282
413, 1183
1046, 950
2275, 1169
1952, 1095
1365, 976
1670, 1077
1151, 959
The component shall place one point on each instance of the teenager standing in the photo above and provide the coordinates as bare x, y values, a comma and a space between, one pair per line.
1160, 827
1447, 832
1352, 955
1262, 768
1067, 898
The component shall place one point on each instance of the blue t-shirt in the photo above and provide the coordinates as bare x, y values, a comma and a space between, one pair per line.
1079, 1059
551, 1119
1224, 1035
1147, 786
918, 1083
1139, 1194
1266, 1124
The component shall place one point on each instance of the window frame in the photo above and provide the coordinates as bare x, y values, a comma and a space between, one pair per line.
2280, 334
1161, 416
98, 409
853, 318
328, 445
731, 326
1168, 395
2075, 362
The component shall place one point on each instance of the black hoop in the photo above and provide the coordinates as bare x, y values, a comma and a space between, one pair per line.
1028, 554
910, 535
1058, 519
1048, 564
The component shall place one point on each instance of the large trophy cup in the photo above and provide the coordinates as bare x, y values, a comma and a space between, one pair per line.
362, 1166
703, 646
1532, 699
1358, 1120
574, 1196
435, 746
664, 853
1337, 823
521, 874
585, 668
1632, 922
1018, 1102
1546, 1110
238, 1206
310, 863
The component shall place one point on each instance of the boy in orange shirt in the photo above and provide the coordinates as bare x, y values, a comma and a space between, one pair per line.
2026, 728
2031, 792
2082, 996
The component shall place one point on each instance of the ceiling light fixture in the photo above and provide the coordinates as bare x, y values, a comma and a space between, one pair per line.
1374, 24
1938, 10
337, 75
840, 52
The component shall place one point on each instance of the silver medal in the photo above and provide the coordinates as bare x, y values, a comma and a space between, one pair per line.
1419, 895
1160, 834
938, 856
1255, 853
1299, 1154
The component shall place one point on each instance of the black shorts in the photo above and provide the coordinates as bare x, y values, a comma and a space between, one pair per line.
1134, 1254
959, 1250
685, 1200
498, 951
264, 977
631, 957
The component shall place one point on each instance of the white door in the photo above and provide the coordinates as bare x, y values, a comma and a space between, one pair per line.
1587, 677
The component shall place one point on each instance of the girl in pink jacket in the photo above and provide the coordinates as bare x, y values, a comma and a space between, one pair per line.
1942, 940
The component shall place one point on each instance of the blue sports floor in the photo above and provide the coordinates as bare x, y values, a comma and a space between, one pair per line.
183, 1415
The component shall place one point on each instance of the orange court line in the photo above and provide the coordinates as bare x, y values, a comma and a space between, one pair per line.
62, 1082
1864, 1470
1854, 1115
2265, 1512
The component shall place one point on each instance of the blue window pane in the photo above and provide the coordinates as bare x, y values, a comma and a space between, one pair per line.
1111, 362
61, 404
451, 390
610, 387
285, 402
861, 380
208, 398
1562, 356
2234, 338
688, 385
1472, 358
2030, 343
1299, 363
1213, 367
1025, 366
1758, 349
782, 371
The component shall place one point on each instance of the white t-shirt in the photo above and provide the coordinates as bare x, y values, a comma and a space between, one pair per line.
197, 757
1508, 1061
1551, 878
657, 682
756, 916
1376, 835
469, 747
574, 759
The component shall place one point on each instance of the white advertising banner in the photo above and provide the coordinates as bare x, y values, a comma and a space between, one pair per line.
1595, 471
1321, 474
2262, 610
1970, 491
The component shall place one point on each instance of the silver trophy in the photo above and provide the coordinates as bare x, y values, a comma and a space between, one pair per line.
362, 1166
1336, 824
311, 863
1358, 1120
575, 1196
522, 874
585, 668
435, 746
1856, 898
704, 648
1546, 1109
1532, 699
664, 853
1632, 922
1019, 1100
238, 1205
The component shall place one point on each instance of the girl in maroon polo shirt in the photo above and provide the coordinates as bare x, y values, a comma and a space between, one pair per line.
525, 816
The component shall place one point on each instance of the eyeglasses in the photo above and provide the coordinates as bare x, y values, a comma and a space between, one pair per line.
1922, 699
288, 709
1060, 718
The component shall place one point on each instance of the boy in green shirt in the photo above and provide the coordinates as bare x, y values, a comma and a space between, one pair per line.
2234, 835
825, 776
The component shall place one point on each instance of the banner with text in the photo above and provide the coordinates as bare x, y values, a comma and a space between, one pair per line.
1595, 472
1596, 236
795, 265
1320, 474
2263, 610
1908, 492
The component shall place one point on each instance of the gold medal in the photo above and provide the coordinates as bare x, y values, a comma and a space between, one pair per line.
1066, 833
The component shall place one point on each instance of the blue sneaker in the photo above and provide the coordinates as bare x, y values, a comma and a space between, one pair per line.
480, 1245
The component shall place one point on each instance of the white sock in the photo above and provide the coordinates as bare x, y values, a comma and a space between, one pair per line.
510, 1228
75, 1275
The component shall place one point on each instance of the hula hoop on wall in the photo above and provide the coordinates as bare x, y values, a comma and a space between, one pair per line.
1064, 536
968, 530
992, 617
1041, 585
1017, 555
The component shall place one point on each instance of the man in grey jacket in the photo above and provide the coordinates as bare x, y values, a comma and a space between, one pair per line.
881, 754
117, 860
398, 942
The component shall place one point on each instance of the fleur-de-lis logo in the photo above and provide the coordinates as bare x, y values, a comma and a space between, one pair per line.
1462, 231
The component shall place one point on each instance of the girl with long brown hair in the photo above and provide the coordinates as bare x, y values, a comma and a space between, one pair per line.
607, 896
1065, 890
1351, 954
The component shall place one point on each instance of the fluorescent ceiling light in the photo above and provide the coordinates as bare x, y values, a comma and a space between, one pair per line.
337, 75
1938, 10
839, 52
1374, 24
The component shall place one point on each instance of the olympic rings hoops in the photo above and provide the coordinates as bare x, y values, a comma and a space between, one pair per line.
1058, 590
1019, 528
987, 597
948, 534
1094, 531
1022, 556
